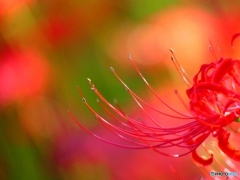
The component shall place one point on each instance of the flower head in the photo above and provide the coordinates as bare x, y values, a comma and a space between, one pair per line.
213, 106
215, 89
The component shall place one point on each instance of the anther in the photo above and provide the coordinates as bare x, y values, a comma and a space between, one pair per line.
84, 100
111, 68
129, 57
89, 80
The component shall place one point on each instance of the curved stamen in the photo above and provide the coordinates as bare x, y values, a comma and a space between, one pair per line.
180, 69
133, 94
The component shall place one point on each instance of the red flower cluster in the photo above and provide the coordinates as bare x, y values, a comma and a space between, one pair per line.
214, 100
214, 105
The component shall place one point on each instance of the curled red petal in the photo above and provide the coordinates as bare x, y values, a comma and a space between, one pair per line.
234, 38
197, 159
200, 160
223, 68
226, 147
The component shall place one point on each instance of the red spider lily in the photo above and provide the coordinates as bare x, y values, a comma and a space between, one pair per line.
77, 22
214, 105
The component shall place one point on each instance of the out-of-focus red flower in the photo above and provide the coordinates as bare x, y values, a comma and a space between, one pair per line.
72, 149
9, 7
60, 29
77, 21
72, 146
78, 156
227, 15
185, 29
23, 74
218, 6
229, 26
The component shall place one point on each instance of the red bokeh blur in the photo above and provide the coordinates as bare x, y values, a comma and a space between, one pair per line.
23, 74
149, 42
76, 23
10, 7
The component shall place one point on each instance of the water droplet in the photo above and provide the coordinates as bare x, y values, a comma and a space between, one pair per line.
214, 133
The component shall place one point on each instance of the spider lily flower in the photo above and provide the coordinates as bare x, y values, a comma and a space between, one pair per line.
213, 107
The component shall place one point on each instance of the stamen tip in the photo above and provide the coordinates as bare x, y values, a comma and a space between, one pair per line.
129, 57
84, 100
111, 68
89, 80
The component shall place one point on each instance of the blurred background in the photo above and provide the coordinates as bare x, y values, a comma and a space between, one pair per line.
49, 47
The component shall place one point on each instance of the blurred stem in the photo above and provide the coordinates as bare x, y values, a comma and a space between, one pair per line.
20, 157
